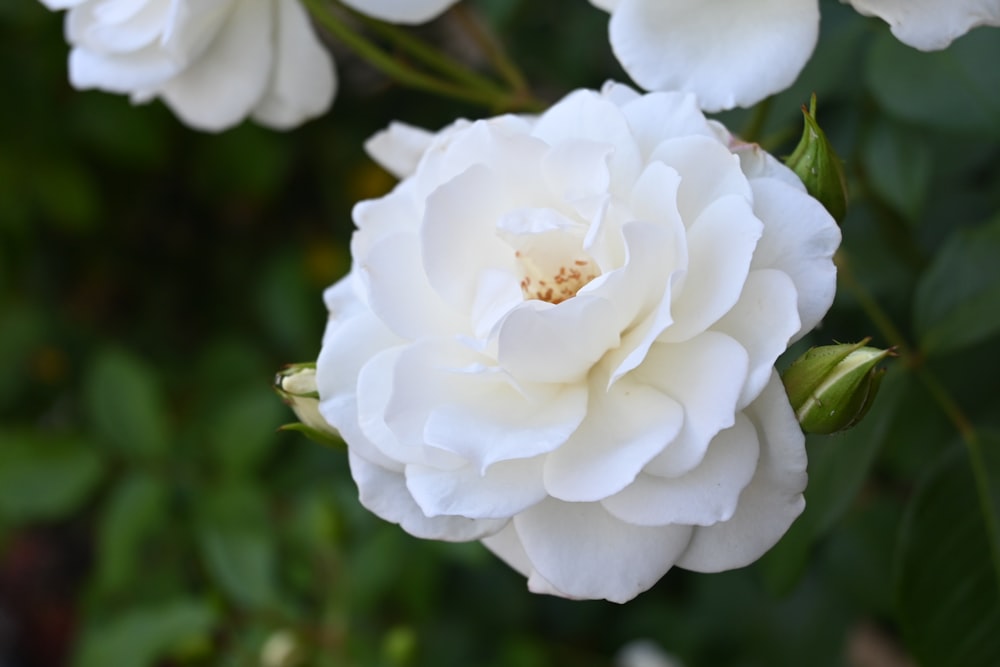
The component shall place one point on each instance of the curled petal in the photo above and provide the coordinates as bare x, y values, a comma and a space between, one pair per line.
623, 430
799, 239
501, 491
708, 494
581, 551
384, 493
771, 501
763, 321
705, 375
398, 148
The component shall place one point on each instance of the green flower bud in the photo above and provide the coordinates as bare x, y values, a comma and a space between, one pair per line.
819, 167
832, 387
296, 384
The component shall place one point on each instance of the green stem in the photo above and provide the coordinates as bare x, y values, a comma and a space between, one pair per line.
751, 133
970, 437
431, 57
493, 49
401, 72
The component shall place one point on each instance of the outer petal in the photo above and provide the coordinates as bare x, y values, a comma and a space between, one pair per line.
799, 239
931, 24
219, 90
727, 53
584, 552
401, 11
708, 494
763, 321
503, 490
623, 430
384, 493
705, 375
303, 80
147, 68
771, 501
443, 396
399, 147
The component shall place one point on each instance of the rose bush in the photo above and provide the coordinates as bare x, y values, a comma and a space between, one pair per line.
558, 337
737, 53
213, 62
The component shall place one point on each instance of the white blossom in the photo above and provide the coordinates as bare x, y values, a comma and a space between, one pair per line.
214, 62
558, 336
737, 53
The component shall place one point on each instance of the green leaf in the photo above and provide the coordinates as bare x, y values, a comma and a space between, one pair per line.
946, 90
956, 300
838, 466
238, 546
243, 432
21, 329
141, 637
898, 165
45, 477
947, 587
125, 404
136, 511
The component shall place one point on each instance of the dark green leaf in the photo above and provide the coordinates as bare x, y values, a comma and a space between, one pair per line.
956, 301
142, 636
946, 582
898, 165
238, 546
45, 477
838, 466
243, 431
136, 511
125, 404
947, 90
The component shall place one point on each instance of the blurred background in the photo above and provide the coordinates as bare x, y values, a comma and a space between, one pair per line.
153, 279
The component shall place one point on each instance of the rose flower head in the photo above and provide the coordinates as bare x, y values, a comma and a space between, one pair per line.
559, 334
215, 62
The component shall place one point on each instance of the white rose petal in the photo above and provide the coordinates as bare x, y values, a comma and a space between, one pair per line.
214, 62
401, 11
559, 337
737, 53
930, 25
727, 53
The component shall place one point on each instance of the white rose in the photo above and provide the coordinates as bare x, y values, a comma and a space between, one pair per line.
737, 53
213, 62
558, 337
930, 24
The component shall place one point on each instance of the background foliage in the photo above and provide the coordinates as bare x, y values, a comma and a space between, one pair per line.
152, 279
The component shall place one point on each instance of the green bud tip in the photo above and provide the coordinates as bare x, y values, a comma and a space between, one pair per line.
831, 388
816, 163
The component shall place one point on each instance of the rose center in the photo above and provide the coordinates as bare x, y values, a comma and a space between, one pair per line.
557, 282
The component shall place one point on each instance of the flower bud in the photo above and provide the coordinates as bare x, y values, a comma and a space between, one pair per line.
296, 384
819, 166
832, 387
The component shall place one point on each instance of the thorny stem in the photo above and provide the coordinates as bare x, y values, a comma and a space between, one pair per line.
970, 437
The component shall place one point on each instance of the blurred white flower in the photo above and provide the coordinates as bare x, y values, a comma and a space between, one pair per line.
930, 25
558, 336
401, 11
644, 653
214, 62
737, 53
